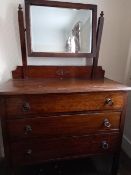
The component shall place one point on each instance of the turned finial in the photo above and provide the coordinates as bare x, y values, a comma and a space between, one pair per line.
102, 14
20, 7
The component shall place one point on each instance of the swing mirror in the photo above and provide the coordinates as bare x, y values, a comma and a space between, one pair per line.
60, 29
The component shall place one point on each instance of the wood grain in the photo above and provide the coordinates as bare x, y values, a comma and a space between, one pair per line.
22, 40
66, 117
52, 149
98, 41
44, 86
63, 126
57, 103
59, 72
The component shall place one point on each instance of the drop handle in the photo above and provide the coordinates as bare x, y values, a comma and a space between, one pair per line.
29, 152
107, 123
28, 129
26, 107
109, 101
105, 145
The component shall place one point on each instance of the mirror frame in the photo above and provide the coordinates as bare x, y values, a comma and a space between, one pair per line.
59, 4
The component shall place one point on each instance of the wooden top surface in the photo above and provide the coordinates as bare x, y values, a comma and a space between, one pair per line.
14, 87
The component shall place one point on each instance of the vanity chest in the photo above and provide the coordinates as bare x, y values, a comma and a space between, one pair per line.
52, 113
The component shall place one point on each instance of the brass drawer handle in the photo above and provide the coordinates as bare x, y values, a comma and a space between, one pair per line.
29, 152
109, 101
26, 107
107, 123
28, 129
105, 145
62, 72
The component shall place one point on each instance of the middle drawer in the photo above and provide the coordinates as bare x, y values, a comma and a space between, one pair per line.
63, 126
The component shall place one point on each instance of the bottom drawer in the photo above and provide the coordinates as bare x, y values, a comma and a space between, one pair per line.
40, 150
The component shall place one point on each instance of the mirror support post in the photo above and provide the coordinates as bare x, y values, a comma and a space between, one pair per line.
22, 40
98, 43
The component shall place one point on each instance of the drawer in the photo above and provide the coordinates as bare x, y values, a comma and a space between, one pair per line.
63, 126
39, 150
56, 103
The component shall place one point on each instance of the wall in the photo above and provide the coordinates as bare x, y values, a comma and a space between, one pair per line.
86, 37
127, 80
49, 37
114, 48
127, 132
9, 41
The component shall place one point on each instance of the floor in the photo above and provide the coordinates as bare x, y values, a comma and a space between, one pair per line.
91, 166
125, 165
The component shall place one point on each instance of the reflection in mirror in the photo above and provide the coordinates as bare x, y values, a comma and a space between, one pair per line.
60, 29
56, 61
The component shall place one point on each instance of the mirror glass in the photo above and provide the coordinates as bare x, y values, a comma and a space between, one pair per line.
56, 29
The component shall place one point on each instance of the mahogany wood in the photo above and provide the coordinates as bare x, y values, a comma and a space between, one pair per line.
53, 119
41, 150
61, 4
60, 54
98, 41
59, 113
59, 72
65, 86
28, 34
60, 103
63, 126
22, 41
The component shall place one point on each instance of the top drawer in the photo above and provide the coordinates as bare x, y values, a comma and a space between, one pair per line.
53, 103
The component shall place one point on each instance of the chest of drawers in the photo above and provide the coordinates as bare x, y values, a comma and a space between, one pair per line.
71, 119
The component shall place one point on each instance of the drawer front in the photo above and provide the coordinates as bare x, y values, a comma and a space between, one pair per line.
53, 103
39, 150
62, 126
